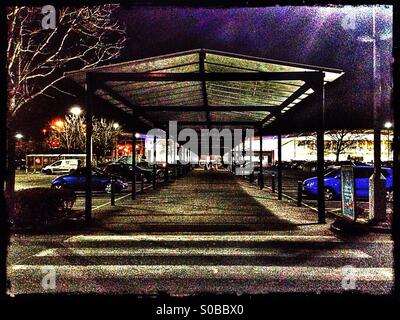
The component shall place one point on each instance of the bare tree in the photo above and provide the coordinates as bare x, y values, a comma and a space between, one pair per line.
337, 141
105, 135
342, 140
37, 58
72, 135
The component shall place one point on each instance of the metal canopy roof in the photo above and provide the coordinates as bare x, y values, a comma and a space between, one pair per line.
208, 100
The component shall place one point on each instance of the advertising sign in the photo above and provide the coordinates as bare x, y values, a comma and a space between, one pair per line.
348, 193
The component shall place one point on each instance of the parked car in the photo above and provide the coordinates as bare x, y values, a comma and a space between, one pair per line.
160, 168
101, 181
125, 171
387, 164
361, 174
20, 164
62, 166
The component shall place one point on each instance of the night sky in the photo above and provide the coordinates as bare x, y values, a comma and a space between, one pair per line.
310, 35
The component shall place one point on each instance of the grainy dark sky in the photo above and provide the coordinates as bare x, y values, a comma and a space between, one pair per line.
326, 36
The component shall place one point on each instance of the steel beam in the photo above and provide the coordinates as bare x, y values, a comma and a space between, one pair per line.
214, 76
142, 109
289, 100
202, 57
115, 95
215, 123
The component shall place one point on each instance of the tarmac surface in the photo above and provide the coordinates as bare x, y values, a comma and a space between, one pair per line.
206, 232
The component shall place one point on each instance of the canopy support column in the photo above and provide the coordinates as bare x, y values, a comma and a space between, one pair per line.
319, 88
243, 154
261, 177
90, 89
133, 158
279, 166
154, 162
166, 152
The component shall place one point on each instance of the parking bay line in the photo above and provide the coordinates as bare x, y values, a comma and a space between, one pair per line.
271, 273
202, 237
182, 252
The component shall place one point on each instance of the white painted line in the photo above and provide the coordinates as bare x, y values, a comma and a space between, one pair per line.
202, 237
181, 252
271, 273
109, 203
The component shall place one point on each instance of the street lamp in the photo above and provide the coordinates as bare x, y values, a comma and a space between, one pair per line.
388, 125
115, 125
75, 110
19, 136
59, 123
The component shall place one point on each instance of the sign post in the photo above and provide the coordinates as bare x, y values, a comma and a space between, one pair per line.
348, 193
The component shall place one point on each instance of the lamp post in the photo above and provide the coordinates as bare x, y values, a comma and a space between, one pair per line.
377, 186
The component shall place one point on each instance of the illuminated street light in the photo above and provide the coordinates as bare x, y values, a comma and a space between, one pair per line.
19, 136
388, 125
75, 110
59, 123
115, 125
137, 135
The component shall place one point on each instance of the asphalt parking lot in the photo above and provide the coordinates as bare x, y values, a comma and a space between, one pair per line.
290, 178
25, 180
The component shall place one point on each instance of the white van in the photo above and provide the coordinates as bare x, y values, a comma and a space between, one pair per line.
62, 166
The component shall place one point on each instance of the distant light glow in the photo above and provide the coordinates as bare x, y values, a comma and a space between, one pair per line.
115, 125
59, 123
388, 125
19, 136
75, 110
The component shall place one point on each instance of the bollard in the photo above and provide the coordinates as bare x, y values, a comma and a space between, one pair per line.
174, 172
261, 181
299, 192
273, 182
154, 177
112, 191
141, 182
251, 177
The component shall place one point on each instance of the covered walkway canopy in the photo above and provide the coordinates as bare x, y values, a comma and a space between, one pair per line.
206, 88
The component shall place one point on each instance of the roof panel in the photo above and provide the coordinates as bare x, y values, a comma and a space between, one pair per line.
190, 93
238, 116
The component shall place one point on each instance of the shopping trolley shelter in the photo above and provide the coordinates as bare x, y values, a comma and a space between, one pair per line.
203, 230
205, 89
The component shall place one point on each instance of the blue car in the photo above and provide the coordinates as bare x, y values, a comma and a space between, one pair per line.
101, 181
361, 175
